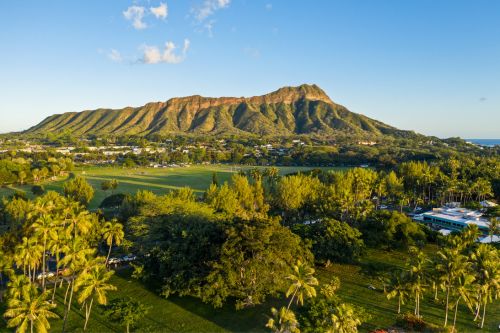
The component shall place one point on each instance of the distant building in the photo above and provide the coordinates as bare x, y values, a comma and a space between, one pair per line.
454, 219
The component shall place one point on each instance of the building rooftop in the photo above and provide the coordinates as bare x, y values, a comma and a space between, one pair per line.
459, 215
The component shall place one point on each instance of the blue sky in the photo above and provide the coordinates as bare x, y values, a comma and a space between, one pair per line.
428, 65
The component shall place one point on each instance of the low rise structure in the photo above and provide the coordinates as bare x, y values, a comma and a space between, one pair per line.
454, 218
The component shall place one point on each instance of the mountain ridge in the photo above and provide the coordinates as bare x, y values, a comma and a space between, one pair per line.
305, 109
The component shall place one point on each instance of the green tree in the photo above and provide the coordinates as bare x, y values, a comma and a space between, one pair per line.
112, 233
417, 266
30, 311
93, 284
398, 287
451, 265
79, 190
43, 228
302, 284
344, 320
283, 321
126, 311
486, 265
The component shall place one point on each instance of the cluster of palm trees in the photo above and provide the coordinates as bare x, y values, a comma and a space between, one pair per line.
342, 318
462, 270
58, 229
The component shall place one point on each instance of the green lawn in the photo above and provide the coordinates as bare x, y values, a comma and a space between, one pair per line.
355, 280
191, 315
157, 180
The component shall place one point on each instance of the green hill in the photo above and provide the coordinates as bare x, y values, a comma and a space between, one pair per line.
288, 111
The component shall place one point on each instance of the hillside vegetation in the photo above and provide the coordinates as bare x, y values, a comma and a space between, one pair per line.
288, 111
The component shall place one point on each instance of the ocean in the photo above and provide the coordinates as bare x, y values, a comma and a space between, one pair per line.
485, 142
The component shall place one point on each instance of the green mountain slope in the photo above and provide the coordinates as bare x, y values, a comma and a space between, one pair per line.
288, 111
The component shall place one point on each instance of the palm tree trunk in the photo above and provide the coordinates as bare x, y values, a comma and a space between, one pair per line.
128, 325
43, 261
399, 304
455, 317
484, 313
109, 252
478, 308
291, 299
31, 325
66, 293
87, 314
68, 309
447, 305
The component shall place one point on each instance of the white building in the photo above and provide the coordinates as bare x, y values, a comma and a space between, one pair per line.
455, 219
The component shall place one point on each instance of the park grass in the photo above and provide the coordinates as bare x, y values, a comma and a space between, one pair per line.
187, 314
355, 280
176, 314
157, 180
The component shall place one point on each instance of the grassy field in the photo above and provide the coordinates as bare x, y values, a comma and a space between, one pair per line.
157, 180
191, 315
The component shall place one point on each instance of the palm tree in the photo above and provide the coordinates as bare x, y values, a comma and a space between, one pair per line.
112, 232
57, 245
28, 255
344, 320
283, 321
462, 289
31, 309
94, 285
398, 288
16, 285
78, 220
303, 282
486, 265
44, 228
74, 260
450, 266
417, 275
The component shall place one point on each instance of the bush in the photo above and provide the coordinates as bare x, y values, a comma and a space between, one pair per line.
38, 190
332, 240
413, 323
113, 201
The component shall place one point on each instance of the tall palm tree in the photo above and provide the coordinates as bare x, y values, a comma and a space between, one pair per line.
28, 255
75, 260
417, 275
344, 320
303, 282
93, 284
462, 289
283, 321
450, 265
58, 244
17, 285
398, 288
78, 221
30, 310
112, 233
44, 228
486, 265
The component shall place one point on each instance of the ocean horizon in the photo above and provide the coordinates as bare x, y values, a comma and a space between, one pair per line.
485, 142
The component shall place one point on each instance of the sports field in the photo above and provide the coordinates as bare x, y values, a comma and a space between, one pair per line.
157, 180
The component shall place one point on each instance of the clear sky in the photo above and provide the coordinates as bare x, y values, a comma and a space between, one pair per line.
428, 65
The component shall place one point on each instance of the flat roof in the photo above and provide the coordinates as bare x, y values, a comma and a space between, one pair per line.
459, 215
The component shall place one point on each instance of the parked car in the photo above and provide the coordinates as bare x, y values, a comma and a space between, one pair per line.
130, 257
46, 275
114, 260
